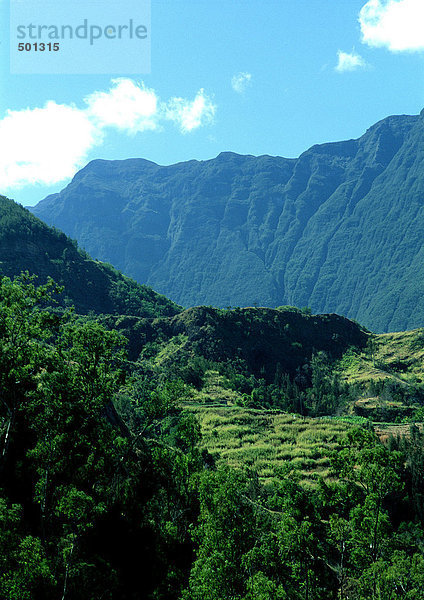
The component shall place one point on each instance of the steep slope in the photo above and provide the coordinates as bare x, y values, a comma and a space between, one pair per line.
27, 244
338, 229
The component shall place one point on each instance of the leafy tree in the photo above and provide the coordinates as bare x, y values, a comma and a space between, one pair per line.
363, 462
75, 471
24, 332
24, 568
225, 533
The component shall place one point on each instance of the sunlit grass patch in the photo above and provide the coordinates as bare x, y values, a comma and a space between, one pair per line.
267, 440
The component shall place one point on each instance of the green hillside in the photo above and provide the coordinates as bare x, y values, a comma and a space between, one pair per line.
219, 457
27, 244
264, 342
212, 462
284, 359
338, 229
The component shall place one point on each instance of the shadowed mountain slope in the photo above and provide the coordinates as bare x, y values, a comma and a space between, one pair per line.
27, 244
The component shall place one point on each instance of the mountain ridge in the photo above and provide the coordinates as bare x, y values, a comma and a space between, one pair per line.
337, 228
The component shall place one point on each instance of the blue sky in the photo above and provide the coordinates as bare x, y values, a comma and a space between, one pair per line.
249, 76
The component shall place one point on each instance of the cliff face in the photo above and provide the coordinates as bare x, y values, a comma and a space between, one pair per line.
338, 229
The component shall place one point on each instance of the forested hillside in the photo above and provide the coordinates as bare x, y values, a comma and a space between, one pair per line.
153, 453
339, 229
27, 244
108, 490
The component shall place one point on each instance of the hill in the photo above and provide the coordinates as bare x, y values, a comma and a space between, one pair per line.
284, 359
338, 229
263, 339
27, 244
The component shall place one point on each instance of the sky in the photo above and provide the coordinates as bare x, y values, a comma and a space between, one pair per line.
248, 76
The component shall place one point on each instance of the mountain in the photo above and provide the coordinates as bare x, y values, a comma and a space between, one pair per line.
27, 244
338, 229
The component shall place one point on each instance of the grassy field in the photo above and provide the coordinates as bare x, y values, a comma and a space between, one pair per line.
263, 440
392, 356
385, 430
266, 441
215, 391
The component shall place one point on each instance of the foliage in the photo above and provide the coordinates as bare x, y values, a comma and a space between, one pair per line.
268, 441
71, 471
108, 490
270, 358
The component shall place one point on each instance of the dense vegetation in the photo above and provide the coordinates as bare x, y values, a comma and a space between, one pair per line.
28, 244
87, 507
270, 442
286, 359
339, 229
107, 491
271, 358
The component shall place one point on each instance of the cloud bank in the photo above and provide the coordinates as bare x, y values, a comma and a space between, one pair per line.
47, 145
395, 24
349, 62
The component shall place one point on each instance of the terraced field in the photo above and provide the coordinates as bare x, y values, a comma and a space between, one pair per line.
270, 441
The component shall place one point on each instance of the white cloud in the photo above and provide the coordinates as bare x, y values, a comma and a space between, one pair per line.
44, 145
395, 24
240, 82
349, 62
127, 106
47, 145
190, 115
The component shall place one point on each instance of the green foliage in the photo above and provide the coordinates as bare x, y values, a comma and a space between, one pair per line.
326, 394
394, 391
24, 568
109, 490
269, 358
363, 461
268, 441
71, 470
248, 538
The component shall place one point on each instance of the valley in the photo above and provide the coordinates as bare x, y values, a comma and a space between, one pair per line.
227, 445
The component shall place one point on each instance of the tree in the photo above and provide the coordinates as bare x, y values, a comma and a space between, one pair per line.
373, 471
226, 531
24, 568
24, 332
